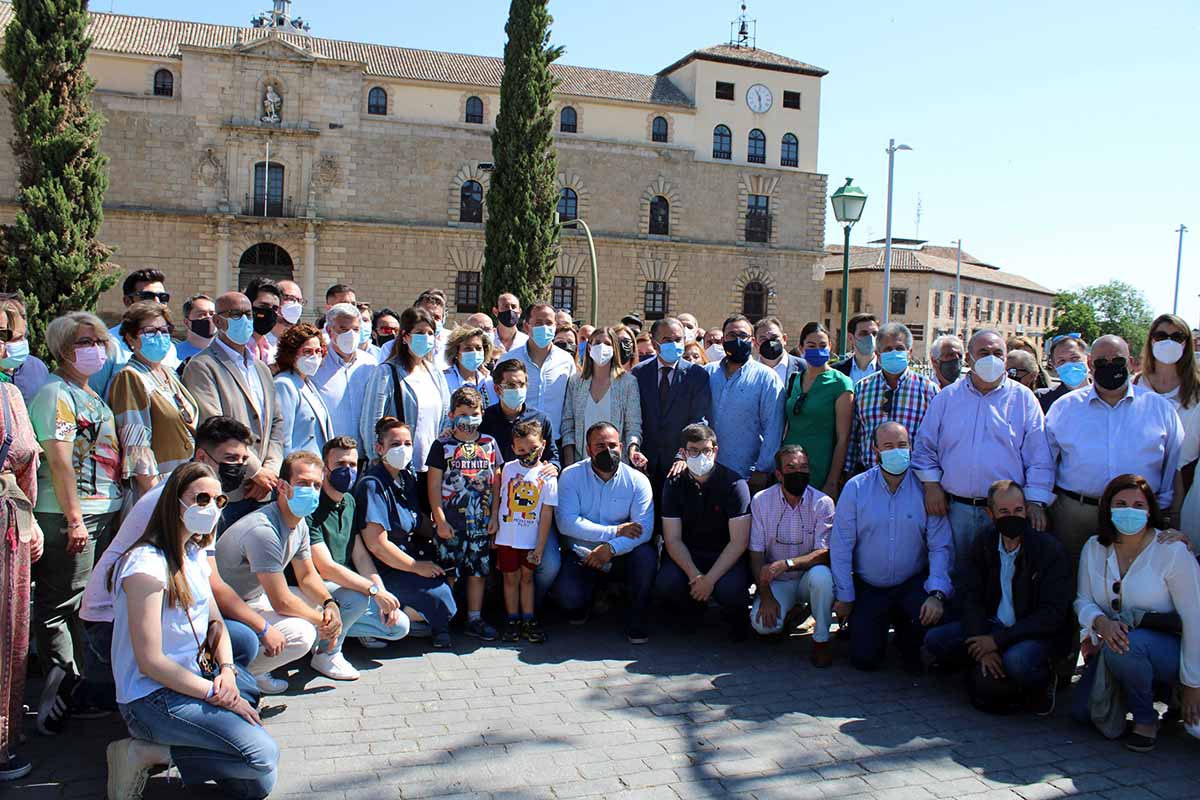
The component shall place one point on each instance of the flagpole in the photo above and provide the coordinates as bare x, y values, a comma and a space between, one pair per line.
267, 178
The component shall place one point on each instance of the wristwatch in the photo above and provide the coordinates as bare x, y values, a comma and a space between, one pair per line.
789, 564
231, 666
374, 590
938, 595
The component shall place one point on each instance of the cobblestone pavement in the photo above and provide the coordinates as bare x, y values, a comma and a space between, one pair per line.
684, 717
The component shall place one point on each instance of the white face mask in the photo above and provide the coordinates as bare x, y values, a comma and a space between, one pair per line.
291, 312
308, 365
689, 335
989, 368
715, 352
346, 341
601, 354
1167, 352
701, 465
201, 520
399, 457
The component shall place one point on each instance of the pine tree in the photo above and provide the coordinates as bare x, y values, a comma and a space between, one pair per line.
522, 239
50, 254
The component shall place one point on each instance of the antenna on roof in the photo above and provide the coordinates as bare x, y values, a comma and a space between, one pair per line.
743, 31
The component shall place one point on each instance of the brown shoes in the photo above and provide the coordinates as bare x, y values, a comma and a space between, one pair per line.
822, 655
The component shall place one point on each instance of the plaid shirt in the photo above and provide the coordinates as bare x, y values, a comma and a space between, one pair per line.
875, 403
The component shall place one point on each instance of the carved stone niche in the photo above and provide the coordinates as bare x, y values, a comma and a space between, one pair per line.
211, 169
272, 105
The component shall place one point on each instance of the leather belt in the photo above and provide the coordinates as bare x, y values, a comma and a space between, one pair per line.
1077, 497
976, 502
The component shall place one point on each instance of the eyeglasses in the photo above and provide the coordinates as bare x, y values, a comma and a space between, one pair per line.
6, 334
162, 297
291, 298
1162, 336
90, 342
1116, 361
1055, 340
204, 498
235, 313
1018, 372
708, 451
886, 405
163, 329
263, 309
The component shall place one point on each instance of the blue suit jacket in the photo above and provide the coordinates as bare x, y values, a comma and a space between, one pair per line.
688, 401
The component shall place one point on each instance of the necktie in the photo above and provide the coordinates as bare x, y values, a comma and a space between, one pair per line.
664, 386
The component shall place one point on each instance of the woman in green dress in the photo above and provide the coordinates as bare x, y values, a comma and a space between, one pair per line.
818, 409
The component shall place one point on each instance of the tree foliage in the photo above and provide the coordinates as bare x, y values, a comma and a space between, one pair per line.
50, 253
1115, 307
522, 239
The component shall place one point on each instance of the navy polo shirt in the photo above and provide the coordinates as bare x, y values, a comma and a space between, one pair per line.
705, 509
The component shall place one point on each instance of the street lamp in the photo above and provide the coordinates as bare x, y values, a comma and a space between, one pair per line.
591, 252
848, 202
1178, 264
892, 149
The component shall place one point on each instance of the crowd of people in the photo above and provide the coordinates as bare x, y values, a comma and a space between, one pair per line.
190, 510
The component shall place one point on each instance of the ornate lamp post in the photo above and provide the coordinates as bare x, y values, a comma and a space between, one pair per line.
848, 202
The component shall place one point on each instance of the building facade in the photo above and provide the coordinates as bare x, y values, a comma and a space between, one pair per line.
244, 151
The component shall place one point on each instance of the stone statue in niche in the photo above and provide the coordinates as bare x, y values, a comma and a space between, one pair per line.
272, 105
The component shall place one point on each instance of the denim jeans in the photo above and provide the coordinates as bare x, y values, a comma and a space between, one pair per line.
876, 608
576, 582
370, 623
1026, 662
432, 598
966, 523
813, 589
1152, 660
732, 591
208, 743
547, 572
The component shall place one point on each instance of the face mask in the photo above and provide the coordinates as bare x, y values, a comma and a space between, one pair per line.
770, 350
701, 465
715, 352
345, 341
155, 346
509, 317
626, 351
950, 370
530, 459
201, 520
1167, 351
399, 457
304, 500
231, 476
364, 333
202, 327
15, 354
895, 461
438, 327
291, 311
419, 344
607, 459
1012, 527
513, 398
816, 357
1112, 377
581, 351
1130, 521
794, 483
308, 365
738, 350
468, 423
471, 359
865, 345
894, 361
240, 330
989, 368
384, 338
342, 478
670, 352
90, 360
689, 335
1072, 373
264, 320
566, 347
601, 354
543, 335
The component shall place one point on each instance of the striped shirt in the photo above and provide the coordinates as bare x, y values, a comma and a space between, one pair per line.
875, 403
780, 532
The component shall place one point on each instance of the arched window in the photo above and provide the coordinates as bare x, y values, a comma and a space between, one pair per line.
756, 147
164, 83
660, 216
789, 151
264, 260
474, 111
722, 143
268, 191
754, 301
658, 129
377, 101
470, 202
568, 205
568, 121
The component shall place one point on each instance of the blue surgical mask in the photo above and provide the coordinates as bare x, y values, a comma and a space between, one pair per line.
419, 344
1072, 373
513, 398
364, 334
894, 361
304, 500
240, 330
894, 461
471, 359
543, 335
155, 346
670, 352
865, 345
17, 352
1130, 521
582, 349
816, 357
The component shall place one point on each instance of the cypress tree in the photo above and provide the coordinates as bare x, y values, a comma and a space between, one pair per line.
50, 253
522, 239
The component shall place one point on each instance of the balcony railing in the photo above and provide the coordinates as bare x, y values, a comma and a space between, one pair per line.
758, 227
257, 206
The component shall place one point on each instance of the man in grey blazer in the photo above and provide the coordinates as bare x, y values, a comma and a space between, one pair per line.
226, 379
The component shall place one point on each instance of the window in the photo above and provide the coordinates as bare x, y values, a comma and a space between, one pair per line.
829, 301
568, 206
568, 121
754, 301
953, 305
758, 218
899, 301
857, 294
474, 111
1029, 315
791, 99
264, 260
466, 292
1039, 316
839, 299
987, 314
724, 90
1010, 312
917, 331
562, 293
470, 202
660, 216
756, 147
722, 143
658, 130
377, 101
828, 324
655, 300
789, 151
978, 306
270, 204
937, 304
164, 83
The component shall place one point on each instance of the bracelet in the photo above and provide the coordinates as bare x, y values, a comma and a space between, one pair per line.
229, 665
266, 627
325, 603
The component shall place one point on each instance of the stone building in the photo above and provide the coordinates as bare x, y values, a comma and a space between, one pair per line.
923, 293
263, 150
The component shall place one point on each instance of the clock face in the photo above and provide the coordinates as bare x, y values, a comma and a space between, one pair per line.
758, 97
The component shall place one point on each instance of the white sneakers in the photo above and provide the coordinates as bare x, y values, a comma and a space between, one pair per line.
126, 779
270, 685
335, 666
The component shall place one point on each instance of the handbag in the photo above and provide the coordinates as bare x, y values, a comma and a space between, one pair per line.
206, 651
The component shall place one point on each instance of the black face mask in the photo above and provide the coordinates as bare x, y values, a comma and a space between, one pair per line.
232, 476
950, 370
738, 350
565, 347
607, 459
771, 349
202, 327
264, 320
1111, 376
794, 483
1011, 526
626, 349
509, 318
383, 339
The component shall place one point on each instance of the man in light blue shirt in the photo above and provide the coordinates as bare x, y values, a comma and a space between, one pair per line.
890, 558
547, 367
343, 374
605, 517
747, 406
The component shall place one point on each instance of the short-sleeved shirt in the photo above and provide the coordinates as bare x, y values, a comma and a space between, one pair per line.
332, 525
259, 542
815, 427
63, 412
525, 494
704, 509
468, 469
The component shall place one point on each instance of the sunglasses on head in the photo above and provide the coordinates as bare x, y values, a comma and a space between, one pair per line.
1162, 336
204, 498
1062, 336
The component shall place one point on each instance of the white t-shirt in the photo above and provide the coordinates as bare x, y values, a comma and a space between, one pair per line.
594, 412
178, 641
430, 419
524, 492
97, 604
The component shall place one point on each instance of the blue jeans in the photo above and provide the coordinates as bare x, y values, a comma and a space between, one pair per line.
732, 591
876, 608
547, 572
1152, 660
576, 582
1026, 662
208, 743
966, 523
432, 598
371, 623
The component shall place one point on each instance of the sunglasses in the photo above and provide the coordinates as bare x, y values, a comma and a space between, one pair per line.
162, 297
1116, 361
1017, 372
1116, 603
1162, 336
886, 405
204, 498
6, 334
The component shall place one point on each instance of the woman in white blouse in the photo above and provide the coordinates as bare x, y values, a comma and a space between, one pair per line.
603, 392
1126, 572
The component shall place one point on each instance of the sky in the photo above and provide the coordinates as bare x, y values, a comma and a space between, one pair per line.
1057, 139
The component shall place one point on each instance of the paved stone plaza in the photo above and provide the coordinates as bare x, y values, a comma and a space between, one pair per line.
589, 715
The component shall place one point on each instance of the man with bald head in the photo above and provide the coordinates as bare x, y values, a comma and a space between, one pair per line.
979, 430
227, 380
1023, 368
691, 327
291, 307
507, 312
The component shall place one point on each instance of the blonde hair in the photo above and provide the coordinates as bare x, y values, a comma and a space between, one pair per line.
61, 333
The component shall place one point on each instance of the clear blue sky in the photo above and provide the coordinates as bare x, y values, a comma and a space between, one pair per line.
1058, 139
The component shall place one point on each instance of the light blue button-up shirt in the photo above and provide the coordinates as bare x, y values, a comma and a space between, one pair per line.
547, 384
590, 509
343, 387
885, 538
747, 416
1008, 567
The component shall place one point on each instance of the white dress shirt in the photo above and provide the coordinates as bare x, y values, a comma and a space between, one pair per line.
244, 362
343, 385
547, 388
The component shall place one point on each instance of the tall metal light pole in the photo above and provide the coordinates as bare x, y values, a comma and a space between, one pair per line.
591, 252
1178, 263
848, 202
892, 148
957, 286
